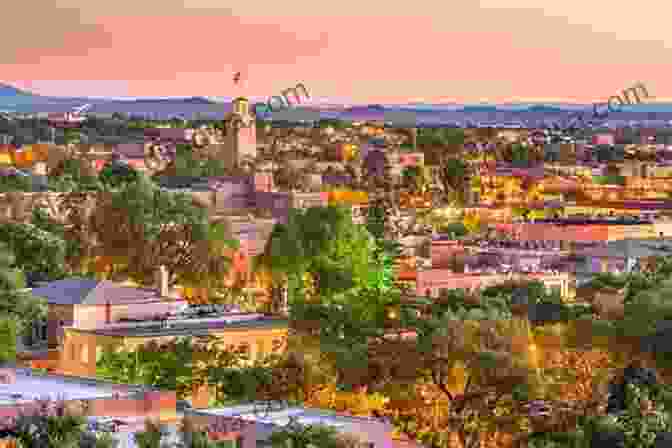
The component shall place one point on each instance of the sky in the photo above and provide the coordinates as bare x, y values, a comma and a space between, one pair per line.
351, 51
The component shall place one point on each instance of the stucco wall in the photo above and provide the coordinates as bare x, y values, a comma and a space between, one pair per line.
94, 316
56, 314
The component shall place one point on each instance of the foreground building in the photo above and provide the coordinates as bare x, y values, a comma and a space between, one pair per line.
250, 426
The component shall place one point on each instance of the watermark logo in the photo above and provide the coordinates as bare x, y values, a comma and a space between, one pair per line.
626, 95
633, 91
284, 100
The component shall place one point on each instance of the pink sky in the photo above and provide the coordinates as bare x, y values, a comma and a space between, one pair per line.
374, 51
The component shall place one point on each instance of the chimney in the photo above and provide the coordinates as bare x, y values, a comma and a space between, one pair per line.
7, 376
162, 281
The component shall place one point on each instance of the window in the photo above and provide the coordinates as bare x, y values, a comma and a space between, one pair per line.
99, 353
84, 353
73, 352
261, 347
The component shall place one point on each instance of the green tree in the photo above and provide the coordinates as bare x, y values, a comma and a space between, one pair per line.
152, 436
74, 246
35, 250
15, 183
114, 174
192, 437
412, 176
15, 303
325, 243
484, 343
149, 227
295, 435
453, 175
7, 340
70, 175
52, 424
169, 365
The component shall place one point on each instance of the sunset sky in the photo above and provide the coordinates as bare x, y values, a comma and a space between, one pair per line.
356, 51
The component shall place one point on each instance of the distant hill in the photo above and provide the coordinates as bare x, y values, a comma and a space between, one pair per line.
542, 108
8, 90
369, 108
479, 109
192, 100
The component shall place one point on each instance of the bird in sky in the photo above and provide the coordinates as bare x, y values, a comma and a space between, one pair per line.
236, 78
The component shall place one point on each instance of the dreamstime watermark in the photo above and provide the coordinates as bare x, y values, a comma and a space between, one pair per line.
284, 100
634, 91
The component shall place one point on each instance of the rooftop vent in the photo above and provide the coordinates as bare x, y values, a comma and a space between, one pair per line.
7, 376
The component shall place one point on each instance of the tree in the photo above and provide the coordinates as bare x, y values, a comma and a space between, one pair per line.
295, 435
321, 243
71, 174
453, 174
14, 302
184, 362
15, 182
193, 437
148, 226
7, 340
386, 251
475, 359
71, 226
169, 365
36, 251
152, 435
115, 173
54, 423
412, 176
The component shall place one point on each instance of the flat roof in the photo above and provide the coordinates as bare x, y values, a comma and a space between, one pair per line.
31, 385
261, 413
184, 328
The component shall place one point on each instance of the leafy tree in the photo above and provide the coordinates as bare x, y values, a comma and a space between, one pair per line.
169, 365
386, 251
14, 302
71, 175
184, 362
323, 243
72, 226
53, 424
7, 340
192, 437
295, 435
453, 175
15, 182
35, 250
476, 359
457, 229
412, 176
152, 436
115, 173
377, 219
147, 226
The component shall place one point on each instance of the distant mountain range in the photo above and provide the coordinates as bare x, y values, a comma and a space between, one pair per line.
13, 99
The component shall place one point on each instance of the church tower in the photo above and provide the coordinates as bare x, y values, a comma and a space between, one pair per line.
241, 135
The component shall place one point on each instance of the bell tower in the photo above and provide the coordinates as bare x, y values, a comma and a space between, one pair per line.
241, 138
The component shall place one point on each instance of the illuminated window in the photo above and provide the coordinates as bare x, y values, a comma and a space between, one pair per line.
84, 353
261, 347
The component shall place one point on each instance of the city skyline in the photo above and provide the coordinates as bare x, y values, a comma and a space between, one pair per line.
375, 53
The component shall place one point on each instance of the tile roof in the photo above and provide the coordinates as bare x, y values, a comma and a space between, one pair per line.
83, 291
